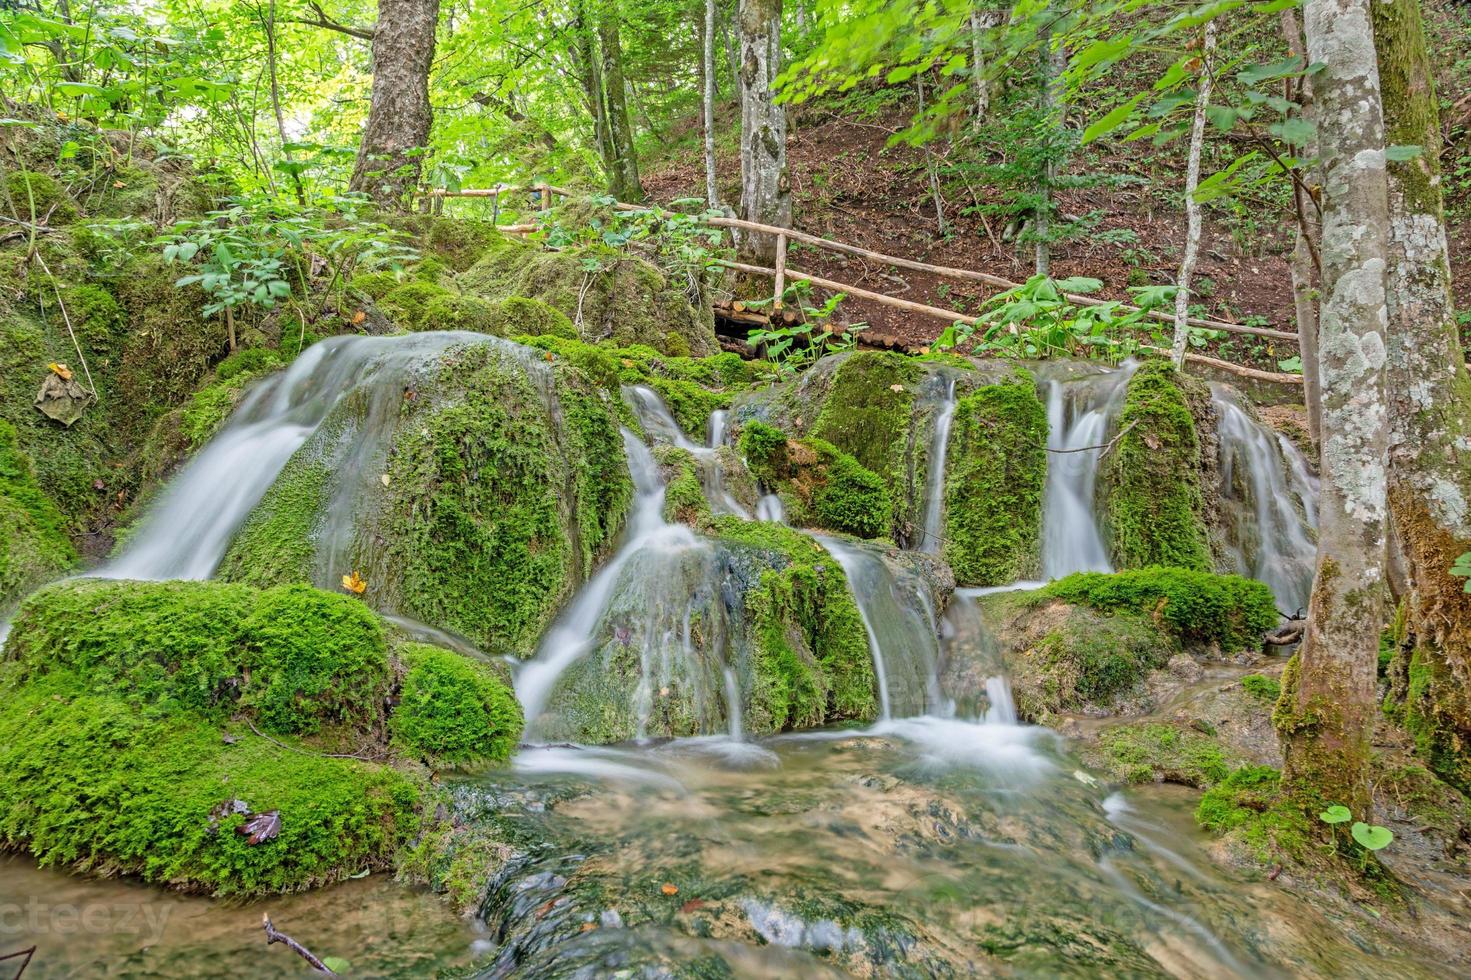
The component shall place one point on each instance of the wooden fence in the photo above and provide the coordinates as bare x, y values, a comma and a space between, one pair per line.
781, 273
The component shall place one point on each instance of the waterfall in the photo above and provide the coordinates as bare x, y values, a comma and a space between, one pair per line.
935, 488
1079, 415
902, 636
770, 508
733, 705
188, 530
661, 426
572, 635
1268, 503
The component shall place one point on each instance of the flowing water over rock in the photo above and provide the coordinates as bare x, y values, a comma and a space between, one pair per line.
1080, 414
934, 508
661, 426
1269, 503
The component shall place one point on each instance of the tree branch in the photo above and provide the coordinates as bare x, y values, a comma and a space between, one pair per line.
327, 23
272, 936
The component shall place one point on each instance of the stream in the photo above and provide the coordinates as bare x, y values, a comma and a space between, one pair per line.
945, 839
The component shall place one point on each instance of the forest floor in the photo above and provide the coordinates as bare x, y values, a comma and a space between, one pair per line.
850, 184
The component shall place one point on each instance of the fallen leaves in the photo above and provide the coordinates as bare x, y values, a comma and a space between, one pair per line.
60, 370
669, 889
260, 827
896, 387
354, 583
383, 479
359, 317
549, 356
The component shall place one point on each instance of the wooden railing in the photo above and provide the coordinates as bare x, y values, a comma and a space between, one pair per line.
781, 273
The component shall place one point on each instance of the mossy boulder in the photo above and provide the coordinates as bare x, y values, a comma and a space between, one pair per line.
475, 503
1153, 507
819, 485
1152, 752
1195, 608
758, 607
145, 706
33, 541
624, 298
996, 471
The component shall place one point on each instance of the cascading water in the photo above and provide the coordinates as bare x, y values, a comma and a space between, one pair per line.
1079, 415
770, 508
901, 635
935, 484
1268, 503
661, 426
187, 532
575, 630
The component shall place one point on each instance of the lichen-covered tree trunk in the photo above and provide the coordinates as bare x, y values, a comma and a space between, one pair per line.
1429, 393
766, 192
1053, 60
1326, 713
390, 158
1192, 206
622, 159
1304, 266
707, 97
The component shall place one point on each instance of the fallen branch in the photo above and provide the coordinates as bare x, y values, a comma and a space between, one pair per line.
272, 936
1106, 446
320, 755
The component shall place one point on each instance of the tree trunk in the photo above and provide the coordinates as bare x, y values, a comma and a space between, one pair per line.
590, 71
766, 194
1429, 397
712, 192
1326, 712
1053, 61
1192, 206
623, 179
1304, 264
980, 22
390, 158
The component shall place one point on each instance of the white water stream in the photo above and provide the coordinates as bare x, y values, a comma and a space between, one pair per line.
934, 509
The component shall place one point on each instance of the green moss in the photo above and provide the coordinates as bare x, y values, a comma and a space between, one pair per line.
867, 415
452, 710
1247, 805
1430, 725
689, 403
88, 781
1089, 660
458, 858
684, 495
40, 196
375, 285
451, 311
459, 242
1266, 688
996, 472
250, 360
1153, 507
33, 533
825, 486
408, 304
764, 448
295, 658
1193, 607
517, 315
98, 320
592, 445
277, 543
1164, 753
211, 407
812, 661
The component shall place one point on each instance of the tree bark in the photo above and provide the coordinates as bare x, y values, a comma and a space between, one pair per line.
980, 22
622, 172
1192, 206
1429, 391
1327, 709
1053, 61
712, 192
766, 194
390, 158
1304, 264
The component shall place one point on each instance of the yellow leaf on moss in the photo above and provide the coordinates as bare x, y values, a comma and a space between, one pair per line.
61, 371
670, 889
354, 583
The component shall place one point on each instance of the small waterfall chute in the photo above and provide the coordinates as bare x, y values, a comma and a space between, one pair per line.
935, 482
656, 419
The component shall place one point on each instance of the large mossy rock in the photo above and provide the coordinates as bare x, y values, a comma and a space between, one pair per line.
168, 714
995, 474
625, 299
1153, 507
473, 496
819, 485
758, 612
33, 543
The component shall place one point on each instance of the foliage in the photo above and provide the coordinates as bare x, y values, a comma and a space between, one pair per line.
1193, 607
33, 532
791, 348
1462, 568
1370, 838
1266, 688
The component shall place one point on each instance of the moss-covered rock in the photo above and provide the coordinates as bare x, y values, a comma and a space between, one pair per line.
1163, 753
624, 299
40, 197
144, 706
1196, 608
33, 542
452, 710
820, 486
1153, 509
1248, 808
996, 470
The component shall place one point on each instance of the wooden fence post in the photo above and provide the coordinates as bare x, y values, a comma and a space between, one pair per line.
546, 198
781, 272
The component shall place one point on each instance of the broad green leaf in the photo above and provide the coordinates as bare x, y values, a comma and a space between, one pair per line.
1112, 120
1374, 838
1335, 814
1079, 284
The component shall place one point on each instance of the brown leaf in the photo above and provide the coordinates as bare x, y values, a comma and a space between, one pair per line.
260, 827
669, 889
359, 316
692, 904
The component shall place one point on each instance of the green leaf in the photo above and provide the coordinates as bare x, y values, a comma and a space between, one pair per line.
1079, 284
1337, 813
337, 964
1462, 567
1113, 120
1399, 154
1296, 132
1292, 365
1374, 838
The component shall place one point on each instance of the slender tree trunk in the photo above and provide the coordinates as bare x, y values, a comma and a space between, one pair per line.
1053, 61
931, 166
766, 194
590, 71
712, 192
1429, 397
623, 179
1326, 712
390, 158
269, 23
1192, 206
1304, 265
733, 47
980, 22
